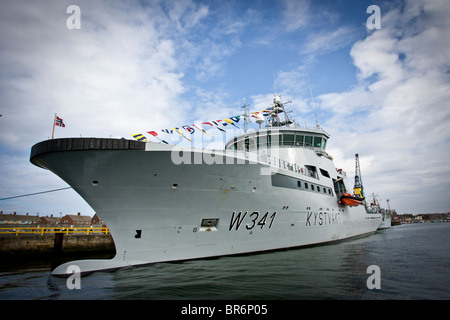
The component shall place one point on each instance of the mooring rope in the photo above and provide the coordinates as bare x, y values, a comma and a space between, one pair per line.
35, 193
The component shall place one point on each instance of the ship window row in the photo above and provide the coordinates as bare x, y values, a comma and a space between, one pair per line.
314, 187
284, 181
286, 139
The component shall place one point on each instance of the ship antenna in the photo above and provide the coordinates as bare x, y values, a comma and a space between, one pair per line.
274, 84
312, 97
245, 116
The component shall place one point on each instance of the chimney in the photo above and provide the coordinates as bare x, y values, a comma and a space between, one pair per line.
14, 213
79, 213
51, 215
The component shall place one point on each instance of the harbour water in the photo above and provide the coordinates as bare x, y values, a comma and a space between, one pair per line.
413, 260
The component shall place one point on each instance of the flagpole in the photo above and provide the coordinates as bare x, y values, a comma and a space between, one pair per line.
54, 121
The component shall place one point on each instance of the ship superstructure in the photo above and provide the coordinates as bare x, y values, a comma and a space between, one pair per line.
272, 188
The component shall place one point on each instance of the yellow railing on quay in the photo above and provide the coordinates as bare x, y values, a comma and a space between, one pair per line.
46, 230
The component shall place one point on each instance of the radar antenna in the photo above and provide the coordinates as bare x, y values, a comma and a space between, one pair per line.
276, 109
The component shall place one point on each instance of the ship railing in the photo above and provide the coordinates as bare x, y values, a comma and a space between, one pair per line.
53, 230
283, 164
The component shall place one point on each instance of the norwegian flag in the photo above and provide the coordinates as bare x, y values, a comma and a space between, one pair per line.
59, 122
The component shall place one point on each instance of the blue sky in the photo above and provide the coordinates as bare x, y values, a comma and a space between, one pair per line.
136, 66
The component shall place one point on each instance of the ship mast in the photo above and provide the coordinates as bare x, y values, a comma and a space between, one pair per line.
245, 116
277, 109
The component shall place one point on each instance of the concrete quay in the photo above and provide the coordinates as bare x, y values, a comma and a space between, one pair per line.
50, 244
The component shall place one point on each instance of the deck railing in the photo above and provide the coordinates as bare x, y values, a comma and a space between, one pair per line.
53, 230
277, 162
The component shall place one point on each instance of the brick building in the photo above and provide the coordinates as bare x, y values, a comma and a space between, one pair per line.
53, 221
76, 220
96, 220
14, 219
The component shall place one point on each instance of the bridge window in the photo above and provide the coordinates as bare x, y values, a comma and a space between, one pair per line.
288, 139
308, 141
299, 140
317, 142
274, 140
268, 139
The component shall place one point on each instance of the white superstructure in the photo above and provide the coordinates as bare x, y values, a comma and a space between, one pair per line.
269, 189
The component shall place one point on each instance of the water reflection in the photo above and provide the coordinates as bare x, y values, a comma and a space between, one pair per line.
414, 263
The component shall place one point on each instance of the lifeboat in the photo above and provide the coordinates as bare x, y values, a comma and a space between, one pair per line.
350, 200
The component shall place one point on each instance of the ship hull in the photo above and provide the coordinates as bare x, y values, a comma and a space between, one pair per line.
159, 209
386, 222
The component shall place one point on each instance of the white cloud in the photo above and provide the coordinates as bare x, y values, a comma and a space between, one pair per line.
136, 66
327, 41
397, 117
185, 14
117, 75
296, 14
377, 55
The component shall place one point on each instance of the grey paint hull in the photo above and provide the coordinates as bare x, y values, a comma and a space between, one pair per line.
158, 210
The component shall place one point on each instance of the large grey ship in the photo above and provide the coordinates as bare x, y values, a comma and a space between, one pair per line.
271, 188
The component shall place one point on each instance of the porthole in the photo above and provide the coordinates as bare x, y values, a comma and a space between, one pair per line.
175, 186
94, 183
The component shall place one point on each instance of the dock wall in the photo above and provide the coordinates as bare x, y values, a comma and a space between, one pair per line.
23, 244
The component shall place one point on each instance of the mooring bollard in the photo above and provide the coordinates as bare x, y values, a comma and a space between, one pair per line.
58, 244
